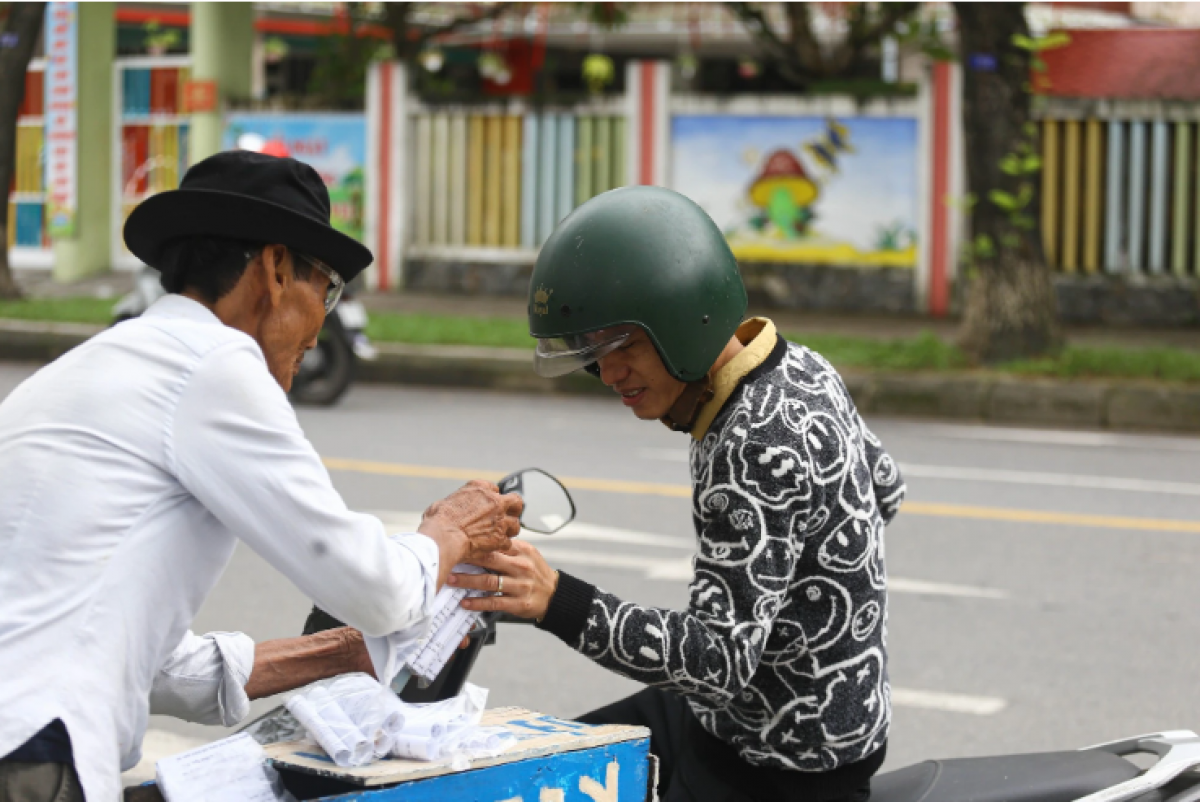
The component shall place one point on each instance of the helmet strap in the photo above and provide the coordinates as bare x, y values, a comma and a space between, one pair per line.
683, 413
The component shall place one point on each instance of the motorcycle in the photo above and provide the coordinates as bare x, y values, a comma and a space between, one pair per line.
1101, 773
326, 371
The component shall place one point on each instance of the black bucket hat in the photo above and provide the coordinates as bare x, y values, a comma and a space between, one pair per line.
248, 196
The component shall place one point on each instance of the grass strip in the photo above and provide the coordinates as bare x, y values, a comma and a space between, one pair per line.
495, 332
924, 352
60, 310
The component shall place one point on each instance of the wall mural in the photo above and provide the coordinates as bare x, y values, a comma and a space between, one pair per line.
804, 189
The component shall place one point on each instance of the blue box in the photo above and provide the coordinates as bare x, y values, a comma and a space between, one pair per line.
553, 761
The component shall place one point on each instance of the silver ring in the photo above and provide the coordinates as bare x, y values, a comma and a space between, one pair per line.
500, 584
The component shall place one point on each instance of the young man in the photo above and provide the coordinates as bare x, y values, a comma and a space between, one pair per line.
772, 685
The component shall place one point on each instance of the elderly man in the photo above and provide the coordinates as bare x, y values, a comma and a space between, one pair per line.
772, 684
133, 465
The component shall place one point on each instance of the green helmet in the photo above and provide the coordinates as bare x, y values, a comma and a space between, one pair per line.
637, 256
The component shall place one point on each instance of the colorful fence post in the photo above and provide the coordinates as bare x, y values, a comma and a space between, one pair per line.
547, 209
565, 168
458, 179
387, 176
647, 93
1183, 172
1137, 195
940, 149
1092, 198
1158, 197
1114, 197
530, 159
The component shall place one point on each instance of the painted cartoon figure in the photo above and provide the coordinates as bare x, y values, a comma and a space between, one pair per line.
784, 195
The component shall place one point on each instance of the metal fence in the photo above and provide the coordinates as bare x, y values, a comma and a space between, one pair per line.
1120, 193
499, 179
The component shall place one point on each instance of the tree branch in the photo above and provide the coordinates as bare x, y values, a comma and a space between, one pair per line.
865, 32
776, 49
493, 12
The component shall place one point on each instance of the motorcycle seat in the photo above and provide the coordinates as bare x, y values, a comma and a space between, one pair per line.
1040, 777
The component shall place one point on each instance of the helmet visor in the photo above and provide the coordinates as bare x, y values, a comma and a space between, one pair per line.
558, 356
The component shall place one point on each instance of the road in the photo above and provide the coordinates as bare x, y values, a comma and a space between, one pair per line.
1043, 583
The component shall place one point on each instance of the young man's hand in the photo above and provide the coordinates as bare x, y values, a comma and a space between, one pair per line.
470, 523
524, 580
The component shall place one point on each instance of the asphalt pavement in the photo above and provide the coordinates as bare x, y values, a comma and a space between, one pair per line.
1042, 583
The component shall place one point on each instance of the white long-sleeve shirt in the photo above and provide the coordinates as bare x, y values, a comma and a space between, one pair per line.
204, 679
128, 469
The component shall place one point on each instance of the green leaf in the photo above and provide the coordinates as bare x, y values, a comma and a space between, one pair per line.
1024, 42
1011, 164
983, 247
1054, 40
1003, 200
1011, 241
1031, 164
1042, 43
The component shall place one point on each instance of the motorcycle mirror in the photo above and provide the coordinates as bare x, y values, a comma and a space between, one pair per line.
548, 505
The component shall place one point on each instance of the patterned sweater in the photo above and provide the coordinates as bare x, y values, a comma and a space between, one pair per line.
782, 649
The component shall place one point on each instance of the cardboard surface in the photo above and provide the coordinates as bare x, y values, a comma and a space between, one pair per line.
538, 735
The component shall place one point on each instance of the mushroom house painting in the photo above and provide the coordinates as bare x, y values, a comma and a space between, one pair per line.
815, 190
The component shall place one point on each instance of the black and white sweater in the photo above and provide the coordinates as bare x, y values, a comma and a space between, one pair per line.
782, 650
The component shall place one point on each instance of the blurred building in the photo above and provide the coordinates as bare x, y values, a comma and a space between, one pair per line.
455, 166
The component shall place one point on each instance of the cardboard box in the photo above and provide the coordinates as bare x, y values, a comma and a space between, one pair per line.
553, 761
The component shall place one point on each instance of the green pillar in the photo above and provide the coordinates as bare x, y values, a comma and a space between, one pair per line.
222, 42
89, 251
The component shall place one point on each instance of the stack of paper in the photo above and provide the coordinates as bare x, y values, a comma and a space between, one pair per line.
232, 768
449, 624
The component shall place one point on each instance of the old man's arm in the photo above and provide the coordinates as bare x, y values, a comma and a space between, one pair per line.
212, 678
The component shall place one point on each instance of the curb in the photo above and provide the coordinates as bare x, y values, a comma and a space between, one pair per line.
984, 398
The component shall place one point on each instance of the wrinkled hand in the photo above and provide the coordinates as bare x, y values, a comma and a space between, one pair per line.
477, 518
528, 586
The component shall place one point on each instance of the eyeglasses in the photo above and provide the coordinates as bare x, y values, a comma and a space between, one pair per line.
336, 283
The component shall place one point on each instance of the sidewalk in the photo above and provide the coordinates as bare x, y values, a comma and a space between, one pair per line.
967, 396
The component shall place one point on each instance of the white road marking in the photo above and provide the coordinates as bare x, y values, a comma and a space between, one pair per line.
1010, 476
576, 530
155, 746
582, 531
1049, 437
1048, 479
665, 568
947, 702
899, 585
679, 569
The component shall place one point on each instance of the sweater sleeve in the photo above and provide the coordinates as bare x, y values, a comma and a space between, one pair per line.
745, 558
885, 476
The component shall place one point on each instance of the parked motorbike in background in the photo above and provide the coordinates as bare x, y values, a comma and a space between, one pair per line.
326, 371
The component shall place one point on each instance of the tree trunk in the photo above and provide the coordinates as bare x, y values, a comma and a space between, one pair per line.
1010, 310
398, 17
21, 31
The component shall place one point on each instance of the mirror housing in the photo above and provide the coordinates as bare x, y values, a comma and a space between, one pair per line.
548, 505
